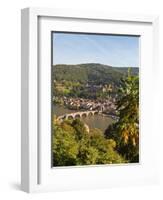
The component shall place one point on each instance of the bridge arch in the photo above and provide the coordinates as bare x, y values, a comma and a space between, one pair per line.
70, 117
78, 115
90, 114
84, 115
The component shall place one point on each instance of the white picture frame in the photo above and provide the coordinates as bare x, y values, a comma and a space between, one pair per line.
36, 171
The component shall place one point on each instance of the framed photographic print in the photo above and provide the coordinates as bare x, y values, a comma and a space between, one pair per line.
86, 95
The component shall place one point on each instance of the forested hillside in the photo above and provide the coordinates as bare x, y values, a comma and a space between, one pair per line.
91, 72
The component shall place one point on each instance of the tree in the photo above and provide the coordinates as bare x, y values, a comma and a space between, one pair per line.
73, 144
65, 147
106, 148
126, 131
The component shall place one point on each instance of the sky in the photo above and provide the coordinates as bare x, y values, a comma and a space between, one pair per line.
114, 50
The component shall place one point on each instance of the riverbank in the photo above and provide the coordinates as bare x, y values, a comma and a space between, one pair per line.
104, 105
100, 121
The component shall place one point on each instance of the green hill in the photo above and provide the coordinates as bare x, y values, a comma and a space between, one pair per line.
90, 73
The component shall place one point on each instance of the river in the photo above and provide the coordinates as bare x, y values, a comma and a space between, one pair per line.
95, 121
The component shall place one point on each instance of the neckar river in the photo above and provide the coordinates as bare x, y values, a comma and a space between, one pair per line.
95, 121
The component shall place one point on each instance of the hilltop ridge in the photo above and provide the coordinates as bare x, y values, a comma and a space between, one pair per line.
91, 72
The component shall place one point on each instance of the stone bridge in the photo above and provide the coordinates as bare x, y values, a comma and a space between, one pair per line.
78, 114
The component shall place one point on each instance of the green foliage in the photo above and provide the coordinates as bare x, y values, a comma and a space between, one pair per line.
91, 72
126, 131
65, 147
73, 144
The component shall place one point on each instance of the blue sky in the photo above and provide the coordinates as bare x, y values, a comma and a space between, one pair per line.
70, 48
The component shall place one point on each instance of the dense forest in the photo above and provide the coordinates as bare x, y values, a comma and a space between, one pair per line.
91, 73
